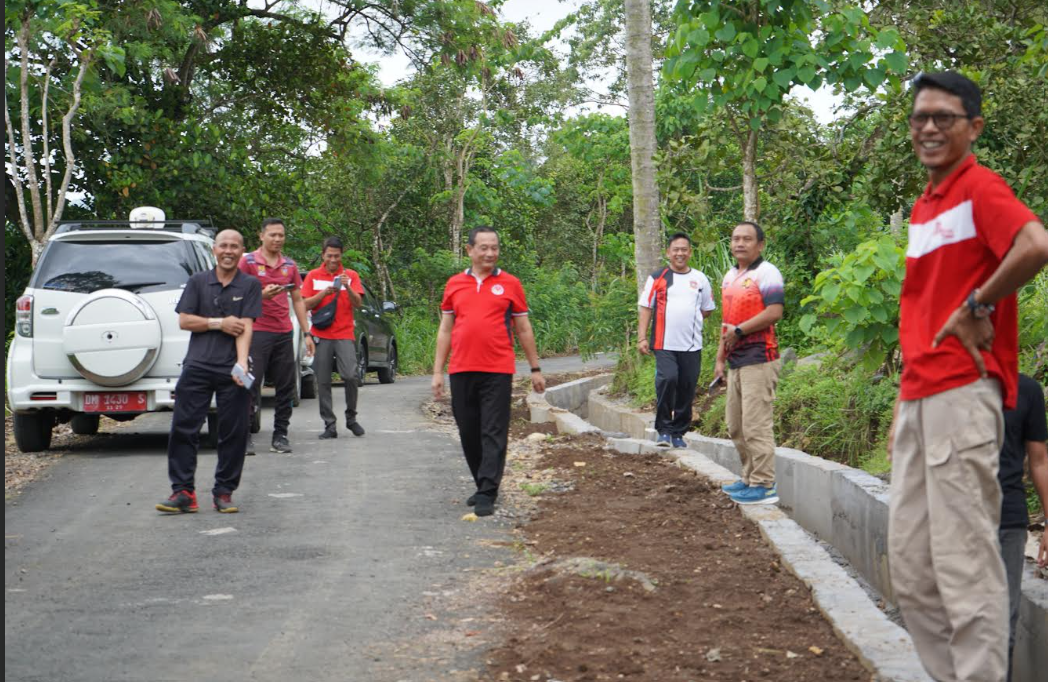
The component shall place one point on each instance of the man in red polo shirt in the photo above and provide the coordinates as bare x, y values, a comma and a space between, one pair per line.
481, 309
971, 245
336, 342
272, 347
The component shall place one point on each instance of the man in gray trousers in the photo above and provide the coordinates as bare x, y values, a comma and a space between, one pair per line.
334, 288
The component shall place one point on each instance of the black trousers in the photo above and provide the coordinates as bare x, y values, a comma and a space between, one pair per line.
480, 402
192, 400
676, 373
273, 355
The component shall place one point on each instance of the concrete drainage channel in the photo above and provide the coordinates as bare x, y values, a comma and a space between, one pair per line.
841, 506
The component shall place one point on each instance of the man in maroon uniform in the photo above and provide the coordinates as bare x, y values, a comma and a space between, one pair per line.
272, 348
481, 309
971, 245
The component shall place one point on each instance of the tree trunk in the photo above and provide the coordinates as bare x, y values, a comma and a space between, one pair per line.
751, 207
647, 226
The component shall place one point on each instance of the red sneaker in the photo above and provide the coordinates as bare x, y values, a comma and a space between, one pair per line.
224, 504
181, 502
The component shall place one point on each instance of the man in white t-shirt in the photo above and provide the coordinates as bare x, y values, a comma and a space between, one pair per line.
675, 301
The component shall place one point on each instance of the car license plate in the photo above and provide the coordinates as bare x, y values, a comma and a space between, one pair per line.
125, 401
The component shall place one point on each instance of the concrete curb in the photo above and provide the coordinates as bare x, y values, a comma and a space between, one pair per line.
884, 648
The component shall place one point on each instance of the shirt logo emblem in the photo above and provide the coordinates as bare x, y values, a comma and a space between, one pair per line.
747, 282
943, 231
237, 298
261, 271
498, 290
283, 271
694, 284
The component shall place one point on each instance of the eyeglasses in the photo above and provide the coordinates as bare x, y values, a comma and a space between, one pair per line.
944, 120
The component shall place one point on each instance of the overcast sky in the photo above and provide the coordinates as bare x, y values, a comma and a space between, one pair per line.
542, 15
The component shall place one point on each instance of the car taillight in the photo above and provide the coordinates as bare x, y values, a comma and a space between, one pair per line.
24, 316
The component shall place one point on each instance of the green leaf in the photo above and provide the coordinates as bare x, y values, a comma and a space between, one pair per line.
854, 315
878, 313
726, 33
855, 337
830, 292
807, 74
852, 83
755, 123
873, 77
760, 64
700, 37
750, 48
890, 335
806, 323
863, 272
783, 78
896, 61
759, 84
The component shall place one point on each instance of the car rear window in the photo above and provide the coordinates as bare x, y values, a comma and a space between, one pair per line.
86, 266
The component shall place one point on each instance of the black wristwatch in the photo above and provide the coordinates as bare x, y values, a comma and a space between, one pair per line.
536, 369
738, 331
978, 310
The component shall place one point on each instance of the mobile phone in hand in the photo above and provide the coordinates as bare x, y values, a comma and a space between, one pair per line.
288, 287
247, 378
714, 384
338, 283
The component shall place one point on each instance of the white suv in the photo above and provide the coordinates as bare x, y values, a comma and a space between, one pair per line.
96, 330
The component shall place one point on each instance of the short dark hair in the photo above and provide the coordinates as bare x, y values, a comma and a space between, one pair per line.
332, 243
955, 84
756, 227
679, 235
472, 239
272, 221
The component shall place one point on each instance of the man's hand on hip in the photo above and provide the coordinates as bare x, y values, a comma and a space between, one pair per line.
974, 333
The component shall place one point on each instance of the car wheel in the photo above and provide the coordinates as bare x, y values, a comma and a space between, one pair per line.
387, 375
362, 364
296, 397
85, 424
33, 431
256, 420
309, 386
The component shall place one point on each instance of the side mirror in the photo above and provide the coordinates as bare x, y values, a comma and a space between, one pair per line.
389, 307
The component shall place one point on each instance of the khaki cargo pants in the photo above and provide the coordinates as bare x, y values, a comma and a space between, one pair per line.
944, 559
751, 392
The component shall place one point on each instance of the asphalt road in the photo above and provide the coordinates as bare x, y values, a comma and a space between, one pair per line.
330, 571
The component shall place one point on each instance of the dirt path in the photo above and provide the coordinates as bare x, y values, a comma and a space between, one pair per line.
634, 568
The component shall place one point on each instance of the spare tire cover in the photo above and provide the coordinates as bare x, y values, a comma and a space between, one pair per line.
112, 338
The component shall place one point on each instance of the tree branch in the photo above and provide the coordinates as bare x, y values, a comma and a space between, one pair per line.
85, 57
16, 180
28, 158
46, 136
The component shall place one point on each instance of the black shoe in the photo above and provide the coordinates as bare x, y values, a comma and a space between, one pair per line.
329, 432
182, 502
356, 428
224, 504
280, 444
250, 450
471, 500
485, 505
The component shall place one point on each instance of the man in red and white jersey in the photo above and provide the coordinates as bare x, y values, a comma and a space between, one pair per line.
481, 310
971, 245
752, 301
675, 301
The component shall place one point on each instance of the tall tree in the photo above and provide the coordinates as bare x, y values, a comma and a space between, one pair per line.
743, 57
647, 225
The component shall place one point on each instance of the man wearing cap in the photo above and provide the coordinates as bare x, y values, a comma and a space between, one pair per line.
972, 244
481, 309
272, 346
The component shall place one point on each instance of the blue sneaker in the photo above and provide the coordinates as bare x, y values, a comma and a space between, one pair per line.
756, 494
678, 442
663, 441
736, 487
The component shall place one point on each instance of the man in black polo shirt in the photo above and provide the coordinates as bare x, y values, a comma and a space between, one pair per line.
219, 308
1025, 433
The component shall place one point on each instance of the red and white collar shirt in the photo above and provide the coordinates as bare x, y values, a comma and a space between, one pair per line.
482, 337
959, 233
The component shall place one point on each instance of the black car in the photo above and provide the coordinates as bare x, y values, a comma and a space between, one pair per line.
376, 343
